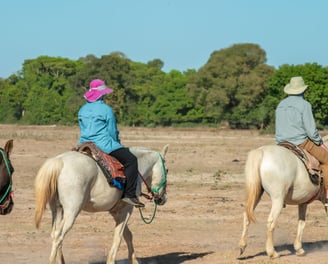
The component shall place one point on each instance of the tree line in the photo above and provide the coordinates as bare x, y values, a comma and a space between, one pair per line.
235, 87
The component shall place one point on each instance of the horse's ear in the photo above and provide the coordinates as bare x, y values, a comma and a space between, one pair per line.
164, 150
9, 146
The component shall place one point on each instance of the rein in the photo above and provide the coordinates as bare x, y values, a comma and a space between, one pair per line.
153, 192
8, 194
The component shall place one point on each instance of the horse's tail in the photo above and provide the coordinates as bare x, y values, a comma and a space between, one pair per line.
46, 186
253, 182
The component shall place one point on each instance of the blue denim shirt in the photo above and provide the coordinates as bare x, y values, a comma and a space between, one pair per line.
98, 125
295, 122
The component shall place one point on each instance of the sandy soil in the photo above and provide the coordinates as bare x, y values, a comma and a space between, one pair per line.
200, 223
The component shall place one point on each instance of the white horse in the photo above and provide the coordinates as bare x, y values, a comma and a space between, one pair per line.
71, 182
282, 175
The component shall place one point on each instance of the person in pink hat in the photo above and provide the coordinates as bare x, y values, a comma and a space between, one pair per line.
98, 124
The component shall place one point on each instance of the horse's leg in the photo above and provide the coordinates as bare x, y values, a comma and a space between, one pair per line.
277, 205
246, 223
300, 228
121, 218
128, 237
62, 223
57, 215
243, 239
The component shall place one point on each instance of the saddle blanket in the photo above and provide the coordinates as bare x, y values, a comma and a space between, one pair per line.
111, 167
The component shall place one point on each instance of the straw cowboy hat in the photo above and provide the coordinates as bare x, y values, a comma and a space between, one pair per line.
97, 89
295, 86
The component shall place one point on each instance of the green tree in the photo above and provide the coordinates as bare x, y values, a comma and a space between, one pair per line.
12, 96
314, 75
147, 80
43, 106
47, 79
172, 104
228, 85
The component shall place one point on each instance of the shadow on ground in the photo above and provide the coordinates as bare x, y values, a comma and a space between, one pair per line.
170, 258
307, 246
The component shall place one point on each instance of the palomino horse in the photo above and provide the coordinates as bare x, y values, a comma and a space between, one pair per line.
6, 171
282, 175
71, 182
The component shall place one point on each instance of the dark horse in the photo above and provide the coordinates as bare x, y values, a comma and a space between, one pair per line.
6, 171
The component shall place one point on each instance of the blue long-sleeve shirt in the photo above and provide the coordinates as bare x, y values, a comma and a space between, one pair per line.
295, 122
98, 125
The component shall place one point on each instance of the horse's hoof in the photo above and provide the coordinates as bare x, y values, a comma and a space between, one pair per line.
300, 253
275, 255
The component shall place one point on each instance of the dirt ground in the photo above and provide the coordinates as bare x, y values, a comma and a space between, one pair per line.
200, 223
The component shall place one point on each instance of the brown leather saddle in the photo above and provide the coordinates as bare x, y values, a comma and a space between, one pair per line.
311, 163
111, 167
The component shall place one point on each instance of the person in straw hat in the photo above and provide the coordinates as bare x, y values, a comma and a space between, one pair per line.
98, 125
295, 124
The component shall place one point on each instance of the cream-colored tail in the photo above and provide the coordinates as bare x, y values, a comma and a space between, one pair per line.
46, 186
253, 182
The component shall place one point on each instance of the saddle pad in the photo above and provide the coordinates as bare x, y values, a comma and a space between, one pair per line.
107, 162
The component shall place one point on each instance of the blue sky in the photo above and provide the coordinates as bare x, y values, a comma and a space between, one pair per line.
182, 33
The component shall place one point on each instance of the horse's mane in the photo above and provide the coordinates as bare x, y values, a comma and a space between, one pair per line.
141, 150
144, 153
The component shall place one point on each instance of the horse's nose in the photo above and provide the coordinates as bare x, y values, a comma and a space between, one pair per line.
10, 207
161, 200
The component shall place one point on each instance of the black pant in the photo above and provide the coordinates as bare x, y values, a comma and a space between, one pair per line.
130, 163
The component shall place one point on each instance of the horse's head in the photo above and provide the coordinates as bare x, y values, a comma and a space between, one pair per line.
153, 173
159, 181
6, 170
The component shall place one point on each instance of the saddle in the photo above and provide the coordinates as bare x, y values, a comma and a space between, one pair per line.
110, 166
311, 163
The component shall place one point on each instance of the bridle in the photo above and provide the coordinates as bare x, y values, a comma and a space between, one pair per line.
8, 194
153, 192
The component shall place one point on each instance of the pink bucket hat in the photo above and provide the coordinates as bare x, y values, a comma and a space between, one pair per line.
97, 89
